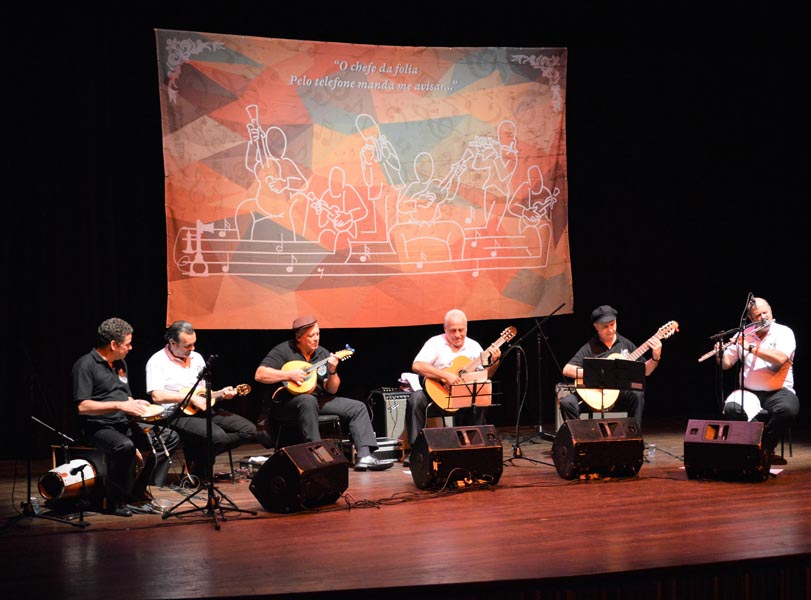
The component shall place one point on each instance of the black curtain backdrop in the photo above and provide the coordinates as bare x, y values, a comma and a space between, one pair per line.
687, 158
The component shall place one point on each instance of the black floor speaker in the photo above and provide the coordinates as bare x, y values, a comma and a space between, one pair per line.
303, 476
598, 448
443, 455
726, 450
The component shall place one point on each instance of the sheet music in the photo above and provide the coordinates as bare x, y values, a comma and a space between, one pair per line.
413, 380
461, 395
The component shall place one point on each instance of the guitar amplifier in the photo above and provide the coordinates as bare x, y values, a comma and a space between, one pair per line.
388, 411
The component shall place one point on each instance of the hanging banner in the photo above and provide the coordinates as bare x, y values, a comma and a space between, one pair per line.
368, 185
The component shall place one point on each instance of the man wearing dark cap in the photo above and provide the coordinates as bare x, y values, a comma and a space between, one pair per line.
607, 343
303, 395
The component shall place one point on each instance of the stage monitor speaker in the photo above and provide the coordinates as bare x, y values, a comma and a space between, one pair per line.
598, 448
727, 450
302, 476
442, 455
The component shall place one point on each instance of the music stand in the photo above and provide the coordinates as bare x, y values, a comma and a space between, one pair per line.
476, 390
215, 496
613, 374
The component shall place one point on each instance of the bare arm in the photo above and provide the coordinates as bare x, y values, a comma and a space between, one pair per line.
130, 406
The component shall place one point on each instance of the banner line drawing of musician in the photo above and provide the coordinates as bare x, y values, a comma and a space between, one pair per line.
304, 220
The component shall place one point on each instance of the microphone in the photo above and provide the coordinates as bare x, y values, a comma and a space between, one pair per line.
207, 367
77, 470
751, 299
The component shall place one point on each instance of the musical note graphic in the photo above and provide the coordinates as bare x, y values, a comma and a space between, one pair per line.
476, 272
366, 253
494, 249
472, 216
198, 260
422, 260
293, 261
280, 245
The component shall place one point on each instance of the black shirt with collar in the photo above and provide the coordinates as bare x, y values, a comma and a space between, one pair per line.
94, 379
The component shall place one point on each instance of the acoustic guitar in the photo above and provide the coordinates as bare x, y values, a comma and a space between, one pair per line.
603, 399
465, 368
308, 385
190, 409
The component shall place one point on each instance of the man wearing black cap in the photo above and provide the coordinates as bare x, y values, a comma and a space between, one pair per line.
607, 342
306, 394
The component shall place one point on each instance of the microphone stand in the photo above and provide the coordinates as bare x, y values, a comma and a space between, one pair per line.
28, 511
521, 356
214, 496
750, 301
718, 338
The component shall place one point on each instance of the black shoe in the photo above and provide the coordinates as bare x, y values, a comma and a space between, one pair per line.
778, 460
121, 511
407, 460
142, 508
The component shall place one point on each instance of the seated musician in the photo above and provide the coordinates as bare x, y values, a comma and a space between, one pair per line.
439, 362
107, 416
606, 343
171, 373
304, 393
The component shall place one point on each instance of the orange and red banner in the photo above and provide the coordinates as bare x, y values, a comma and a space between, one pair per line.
368, 185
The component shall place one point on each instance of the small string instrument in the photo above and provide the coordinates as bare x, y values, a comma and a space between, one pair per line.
308, 385
190, 409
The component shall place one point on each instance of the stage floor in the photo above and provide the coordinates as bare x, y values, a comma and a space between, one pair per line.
534, 532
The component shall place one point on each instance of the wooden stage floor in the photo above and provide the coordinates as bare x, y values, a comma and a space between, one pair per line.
658, 534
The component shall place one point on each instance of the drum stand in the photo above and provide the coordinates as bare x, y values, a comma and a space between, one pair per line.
214, 496
28, 511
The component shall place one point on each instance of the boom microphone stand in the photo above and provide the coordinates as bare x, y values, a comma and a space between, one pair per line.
517, 452
521, 358
214, 496
28, 511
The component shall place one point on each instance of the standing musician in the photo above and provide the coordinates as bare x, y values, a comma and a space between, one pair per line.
433, 361
607, 342
170, 374
768, 376
106, 410
306, 394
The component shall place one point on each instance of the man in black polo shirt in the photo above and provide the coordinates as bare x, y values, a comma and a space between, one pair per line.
107, 411
305, 394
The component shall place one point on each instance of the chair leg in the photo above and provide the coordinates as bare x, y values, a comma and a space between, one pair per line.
786, 434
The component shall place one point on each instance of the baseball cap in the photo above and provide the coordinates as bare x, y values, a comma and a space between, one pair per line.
603, 314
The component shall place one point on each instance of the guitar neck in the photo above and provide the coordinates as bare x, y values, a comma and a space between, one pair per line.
314, 366
639, 351
477, 362
473, 365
